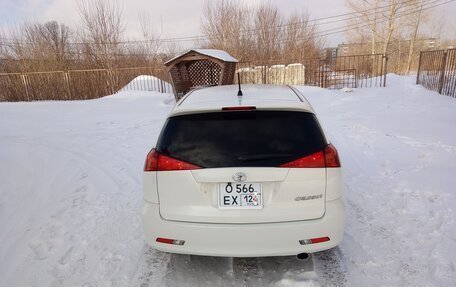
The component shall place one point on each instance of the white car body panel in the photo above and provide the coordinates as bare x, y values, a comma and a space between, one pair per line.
245, 240
194, 196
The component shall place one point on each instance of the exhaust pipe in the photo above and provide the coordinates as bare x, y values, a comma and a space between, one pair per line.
303, 256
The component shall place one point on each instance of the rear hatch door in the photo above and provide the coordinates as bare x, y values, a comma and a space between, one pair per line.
241, 179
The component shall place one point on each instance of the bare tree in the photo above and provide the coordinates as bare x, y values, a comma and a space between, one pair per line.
226, 24
102, 30
379, 16
3, 45
40, 47
4, 55
391, 15
260, 34
54, 39
267, 25
416, 19
368, 13
391, 26
151, 39
300, 40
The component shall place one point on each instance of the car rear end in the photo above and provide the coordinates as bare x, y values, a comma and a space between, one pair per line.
243, 181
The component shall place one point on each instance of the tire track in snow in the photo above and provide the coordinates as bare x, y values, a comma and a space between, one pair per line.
390, 199
66, 264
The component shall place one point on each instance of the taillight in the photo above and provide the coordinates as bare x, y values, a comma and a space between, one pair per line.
311, 161
170, 241
313, 240
331, 157
151, 160
326, 158
169, 163
158, 162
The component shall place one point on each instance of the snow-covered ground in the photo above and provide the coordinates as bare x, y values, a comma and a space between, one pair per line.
70, 194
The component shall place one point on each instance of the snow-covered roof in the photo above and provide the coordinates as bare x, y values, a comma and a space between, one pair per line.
295, 65
218, 54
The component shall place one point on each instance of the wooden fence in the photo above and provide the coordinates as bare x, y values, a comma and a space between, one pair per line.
437, 71
80, 84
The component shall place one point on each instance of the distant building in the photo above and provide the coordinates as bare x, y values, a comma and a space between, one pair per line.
365, 48
329, 53
352, 49
430, 43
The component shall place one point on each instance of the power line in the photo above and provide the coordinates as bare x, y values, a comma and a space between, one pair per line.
329, 32
281, 28
277, 28
371, 21
354, 26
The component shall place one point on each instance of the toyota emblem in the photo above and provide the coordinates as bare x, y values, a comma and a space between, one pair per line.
239, 177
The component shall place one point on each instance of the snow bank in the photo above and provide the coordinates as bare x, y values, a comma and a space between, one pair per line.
398, 148
70, 194
148, 83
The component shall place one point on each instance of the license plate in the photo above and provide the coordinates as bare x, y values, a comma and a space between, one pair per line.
246, 195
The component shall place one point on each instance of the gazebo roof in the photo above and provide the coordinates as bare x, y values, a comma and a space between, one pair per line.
216, 54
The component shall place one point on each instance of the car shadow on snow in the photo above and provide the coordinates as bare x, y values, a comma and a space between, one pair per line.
189, 270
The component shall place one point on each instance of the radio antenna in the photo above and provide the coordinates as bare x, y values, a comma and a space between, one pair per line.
239, 83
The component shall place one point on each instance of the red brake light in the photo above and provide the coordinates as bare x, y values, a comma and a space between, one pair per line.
158, 162
165, 240
326, 158
170, 241
169, 163
240, 108
314, 240
311, 161
319, 240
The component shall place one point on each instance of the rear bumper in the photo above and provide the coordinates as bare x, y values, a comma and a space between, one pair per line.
245, 240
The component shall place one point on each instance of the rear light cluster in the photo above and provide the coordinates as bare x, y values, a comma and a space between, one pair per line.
170, 241
313, 240
322, 159
325, 158
158, 162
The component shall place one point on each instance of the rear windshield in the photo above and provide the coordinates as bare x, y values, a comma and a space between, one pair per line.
253, 138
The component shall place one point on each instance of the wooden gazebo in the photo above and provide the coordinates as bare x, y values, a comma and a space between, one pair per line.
200, 67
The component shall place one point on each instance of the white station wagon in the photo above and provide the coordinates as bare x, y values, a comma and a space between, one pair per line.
243, 176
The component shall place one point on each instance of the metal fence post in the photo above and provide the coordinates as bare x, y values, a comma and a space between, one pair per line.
24, 81
419, 68
442, 73
67, 84
385, 71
